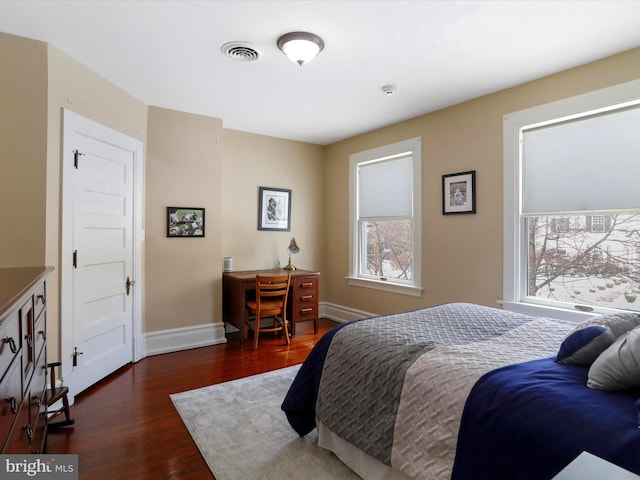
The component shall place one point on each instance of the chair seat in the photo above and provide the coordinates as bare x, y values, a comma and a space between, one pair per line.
56, 394
267, 307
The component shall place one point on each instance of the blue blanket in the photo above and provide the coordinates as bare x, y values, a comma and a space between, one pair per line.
300, 402
528, 421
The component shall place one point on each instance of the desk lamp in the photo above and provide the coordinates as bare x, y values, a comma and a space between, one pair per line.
293, 248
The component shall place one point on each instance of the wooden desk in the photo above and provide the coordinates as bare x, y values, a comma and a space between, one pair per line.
302, 303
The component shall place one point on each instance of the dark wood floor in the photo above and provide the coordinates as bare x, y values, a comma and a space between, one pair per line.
126, 426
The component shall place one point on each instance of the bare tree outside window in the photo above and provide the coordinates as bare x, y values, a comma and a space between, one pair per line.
389, 249
585, 259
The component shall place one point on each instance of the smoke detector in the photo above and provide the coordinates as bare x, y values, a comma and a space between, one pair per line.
389, 90
241, 51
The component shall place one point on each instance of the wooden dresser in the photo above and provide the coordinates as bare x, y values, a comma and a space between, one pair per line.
23, 359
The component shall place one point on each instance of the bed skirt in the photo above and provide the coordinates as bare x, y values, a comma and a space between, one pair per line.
364, 465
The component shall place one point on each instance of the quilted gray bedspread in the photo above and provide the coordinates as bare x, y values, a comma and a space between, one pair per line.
395, 386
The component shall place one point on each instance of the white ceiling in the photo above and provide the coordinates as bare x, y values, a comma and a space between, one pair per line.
438, 53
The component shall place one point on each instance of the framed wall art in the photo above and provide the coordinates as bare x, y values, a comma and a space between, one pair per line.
459, 193
185, 222
274, 212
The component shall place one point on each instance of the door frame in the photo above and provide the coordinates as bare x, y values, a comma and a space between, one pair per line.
72, 122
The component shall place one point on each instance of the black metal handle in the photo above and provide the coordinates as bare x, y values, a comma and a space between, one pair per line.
12, 344
14, 405
130, 283
29, 432
41, 298
75, 356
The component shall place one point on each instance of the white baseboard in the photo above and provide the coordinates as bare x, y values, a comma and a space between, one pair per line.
176, 339
339, 313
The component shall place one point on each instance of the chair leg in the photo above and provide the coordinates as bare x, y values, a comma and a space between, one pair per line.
283, 321
67, 416
256, 332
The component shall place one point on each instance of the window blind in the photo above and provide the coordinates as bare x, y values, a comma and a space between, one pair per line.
385, 188
586, 164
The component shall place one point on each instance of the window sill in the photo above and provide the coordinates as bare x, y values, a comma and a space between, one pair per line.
386, 286
536, 310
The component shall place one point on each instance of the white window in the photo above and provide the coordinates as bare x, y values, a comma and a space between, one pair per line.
572, 205
385, 218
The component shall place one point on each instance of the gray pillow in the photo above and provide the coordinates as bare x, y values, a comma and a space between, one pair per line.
618, 367
591, 337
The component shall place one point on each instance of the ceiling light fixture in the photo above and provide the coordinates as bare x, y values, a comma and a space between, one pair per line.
300, 47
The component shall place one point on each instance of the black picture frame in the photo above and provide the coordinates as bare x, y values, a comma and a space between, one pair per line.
274, 209
459, 193
185, 222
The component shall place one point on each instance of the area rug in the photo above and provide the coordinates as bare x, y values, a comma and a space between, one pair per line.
243, 434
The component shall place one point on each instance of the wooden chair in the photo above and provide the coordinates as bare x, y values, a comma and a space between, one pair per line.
271, 301
55, 394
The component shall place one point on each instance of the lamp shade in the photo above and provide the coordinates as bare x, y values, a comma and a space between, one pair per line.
300, 47
293, 246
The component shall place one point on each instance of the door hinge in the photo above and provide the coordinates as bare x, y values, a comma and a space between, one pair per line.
76, 154
75, 259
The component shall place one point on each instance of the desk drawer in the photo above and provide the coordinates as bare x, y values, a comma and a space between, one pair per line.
305, 285
305, 312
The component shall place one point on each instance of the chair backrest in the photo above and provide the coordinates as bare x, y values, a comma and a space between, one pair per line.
272, 287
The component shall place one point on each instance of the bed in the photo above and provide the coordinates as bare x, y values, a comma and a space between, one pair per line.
459, 391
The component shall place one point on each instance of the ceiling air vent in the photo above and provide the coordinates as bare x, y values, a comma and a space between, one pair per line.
241, 51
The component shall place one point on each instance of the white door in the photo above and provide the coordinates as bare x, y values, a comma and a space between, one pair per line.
99, 205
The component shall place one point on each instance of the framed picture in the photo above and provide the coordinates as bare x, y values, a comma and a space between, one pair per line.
274, 212
459, 193
185, 222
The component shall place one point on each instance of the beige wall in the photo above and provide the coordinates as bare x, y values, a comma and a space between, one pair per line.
75, 87
183, 275
462, 254
23, 129
252, 161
